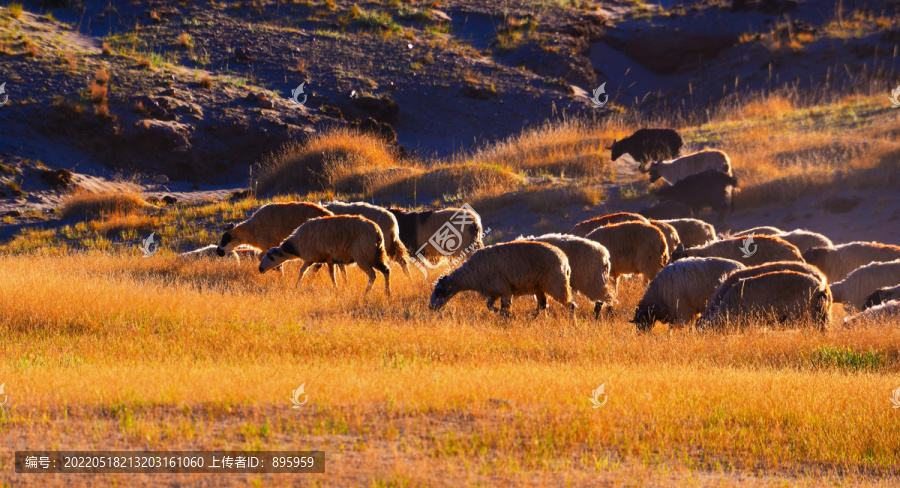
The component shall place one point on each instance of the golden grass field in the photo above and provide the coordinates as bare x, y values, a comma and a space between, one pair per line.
103, 349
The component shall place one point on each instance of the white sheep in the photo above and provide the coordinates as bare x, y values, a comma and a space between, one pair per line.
805, 239
839, 261
209, 251
675, 170
882, 295
340, 239
589, 262
510, 269
268, 226
693, 232
681, 291
853, 290
385, 221
887, 310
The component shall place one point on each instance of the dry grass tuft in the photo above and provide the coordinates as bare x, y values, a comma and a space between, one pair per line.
83, 203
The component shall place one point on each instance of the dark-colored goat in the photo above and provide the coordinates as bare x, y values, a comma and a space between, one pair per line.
710, 188
647, 145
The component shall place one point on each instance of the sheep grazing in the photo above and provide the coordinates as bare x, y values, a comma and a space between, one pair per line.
647, 145
668, 209
738, 275
693, 232
805, 239
779, 296
584, 228
339, 239
839, 261
669, 232
589, 262
437, 234
759, 231
678, 169
709, 188
634, 248
681, 291
209, 251
746, 250
882, 295
268, 226
385, 221
510, 269
887, 310
858, 286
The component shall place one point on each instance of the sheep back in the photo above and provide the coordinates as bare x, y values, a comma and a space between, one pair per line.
669, 232
886, 310
589, 262
777, 296
269, 225
853, 290
768, 249
634, 248
582, 229
882, 295
839, 261
340, 239
386, 222
693, 232
805, 239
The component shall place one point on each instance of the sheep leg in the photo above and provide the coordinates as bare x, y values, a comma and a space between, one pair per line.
302, 272
387, 280
504, 306
331, 274
371, 274
598, 307
541, 303
490, 304
343, 270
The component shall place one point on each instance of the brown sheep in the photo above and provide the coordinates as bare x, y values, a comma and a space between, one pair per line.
582, 229
761, 250
681, 290
589, 262
634, 248
385, 221
853, 290
669, 232
268, 226
693, 232
781, 296
341, 239
510, 269
419, 231
734, 277
839, 261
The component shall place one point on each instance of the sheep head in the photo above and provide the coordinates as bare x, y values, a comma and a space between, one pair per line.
274, 258
227, 243
647, 314
617, 151
653, 171
443, 292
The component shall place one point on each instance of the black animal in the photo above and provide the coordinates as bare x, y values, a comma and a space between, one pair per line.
882, 295
647, 145
709, 188
669, 209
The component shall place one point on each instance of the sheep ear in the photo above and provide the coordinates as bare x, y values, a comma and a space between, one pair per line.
229, 226
679, 248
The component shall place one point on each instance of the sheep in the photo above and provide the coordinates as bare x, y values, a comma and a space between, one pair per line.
693, 232
510, 269
208, 252
339, 239
882, 295
435, 234
853, 290
805, 239
678, 169
708, 188
268, 226
887, 310
839, 261
759, 231
751, 251
681, 291
589, 262
646, 145
779, 295
584, 228
634, 248
386, 222
750, 272
669, 209
669, 232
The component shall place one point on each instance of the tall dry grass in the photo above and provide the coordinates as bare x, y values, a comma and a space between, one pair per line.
85, 203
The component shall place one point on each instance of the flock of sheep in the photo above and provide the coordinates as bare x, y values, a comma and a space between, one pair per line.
763, 274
